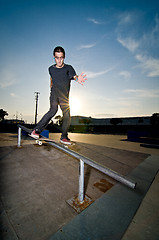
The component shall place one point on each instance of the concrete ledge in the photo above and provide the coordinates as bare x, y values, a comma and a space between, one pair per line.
109, 216
145, 224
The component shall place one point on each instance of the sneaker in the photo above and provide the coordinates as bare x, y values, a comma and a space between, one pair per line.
65, 141
34, 134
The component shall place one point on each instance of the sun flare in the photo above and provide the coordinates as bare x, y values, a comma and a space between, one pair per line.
74, 106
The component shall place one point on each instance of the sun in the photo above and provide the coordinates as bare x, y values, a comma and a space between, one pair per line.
74, 106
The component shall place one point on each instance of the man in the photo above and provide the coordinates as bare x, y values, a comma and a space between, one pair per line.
61, 75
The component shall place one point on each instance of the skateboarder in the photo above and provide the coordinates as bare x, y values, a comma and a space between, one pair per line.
61, 75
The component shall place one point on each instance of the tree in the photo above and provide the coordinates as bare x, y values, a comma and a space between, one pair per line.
154, 120
115, 121
140, 120
85, 121
3, 114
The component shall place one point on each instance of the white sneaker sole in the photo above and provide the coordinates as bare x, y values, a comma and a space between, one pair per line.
66, 143
34, 136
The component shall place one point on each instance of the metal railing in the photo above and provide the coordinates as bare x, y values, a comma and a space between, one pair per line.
120, 178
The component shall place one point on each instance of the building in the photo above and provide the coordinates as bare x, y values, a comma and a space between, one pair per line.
81, 120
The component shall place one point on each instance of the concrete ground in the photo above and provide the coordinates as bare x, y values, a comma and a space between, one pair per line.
37, 180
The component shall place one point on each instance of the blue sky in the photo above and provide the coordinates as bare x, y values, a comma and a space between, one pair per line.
116, 43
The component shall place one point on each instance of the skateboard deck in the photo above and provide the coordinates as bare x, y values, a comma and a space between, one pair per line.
42, 139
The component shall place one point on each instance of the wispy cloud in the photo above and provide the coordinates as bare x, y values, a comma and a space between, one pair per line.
97, 74
150, 38
5, 84
125, 74
147, 93
144, 46
87, 46
8, 78
93, 20
155, 30
129, 43
124, 18
14, 95
149, 65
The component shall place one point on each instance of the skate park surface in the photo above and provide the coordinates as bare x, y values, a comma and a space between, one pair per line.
36, 181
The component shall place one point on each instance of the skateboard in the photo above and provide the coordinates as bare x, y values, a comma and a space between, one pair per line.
42, 139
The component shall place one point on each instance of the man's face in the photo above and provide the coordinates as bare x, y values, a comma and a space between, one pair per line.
59, 59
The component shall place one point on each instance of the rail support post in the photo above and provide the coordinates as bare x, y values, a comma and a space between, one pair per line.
80, 201
19, 136
81, 181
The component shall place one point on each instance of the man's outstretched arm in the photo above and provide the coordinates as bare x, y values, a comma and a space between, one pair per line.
81, 78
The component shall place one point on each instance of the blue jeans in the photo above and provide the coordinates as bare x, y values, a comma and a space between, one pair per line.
56, 98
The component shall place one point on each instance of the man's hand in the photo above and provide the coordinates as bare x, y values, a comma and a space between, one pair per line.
81, 78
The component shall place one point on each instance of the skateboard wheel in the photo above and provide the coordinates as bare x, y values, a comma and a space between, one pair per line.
40, 143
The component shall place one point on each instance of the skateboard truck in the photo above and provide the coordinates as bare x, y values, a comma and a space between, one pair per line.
40, 140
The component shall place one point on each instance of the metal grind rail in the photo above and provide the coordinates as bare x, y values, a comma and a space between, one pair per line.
83, 159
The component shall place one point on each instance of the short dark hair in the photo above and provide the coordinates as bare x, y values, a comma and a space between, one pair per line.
59, 49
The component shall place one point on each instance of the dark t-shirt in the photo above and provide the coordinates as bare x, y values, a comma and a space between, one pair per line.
61, 77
